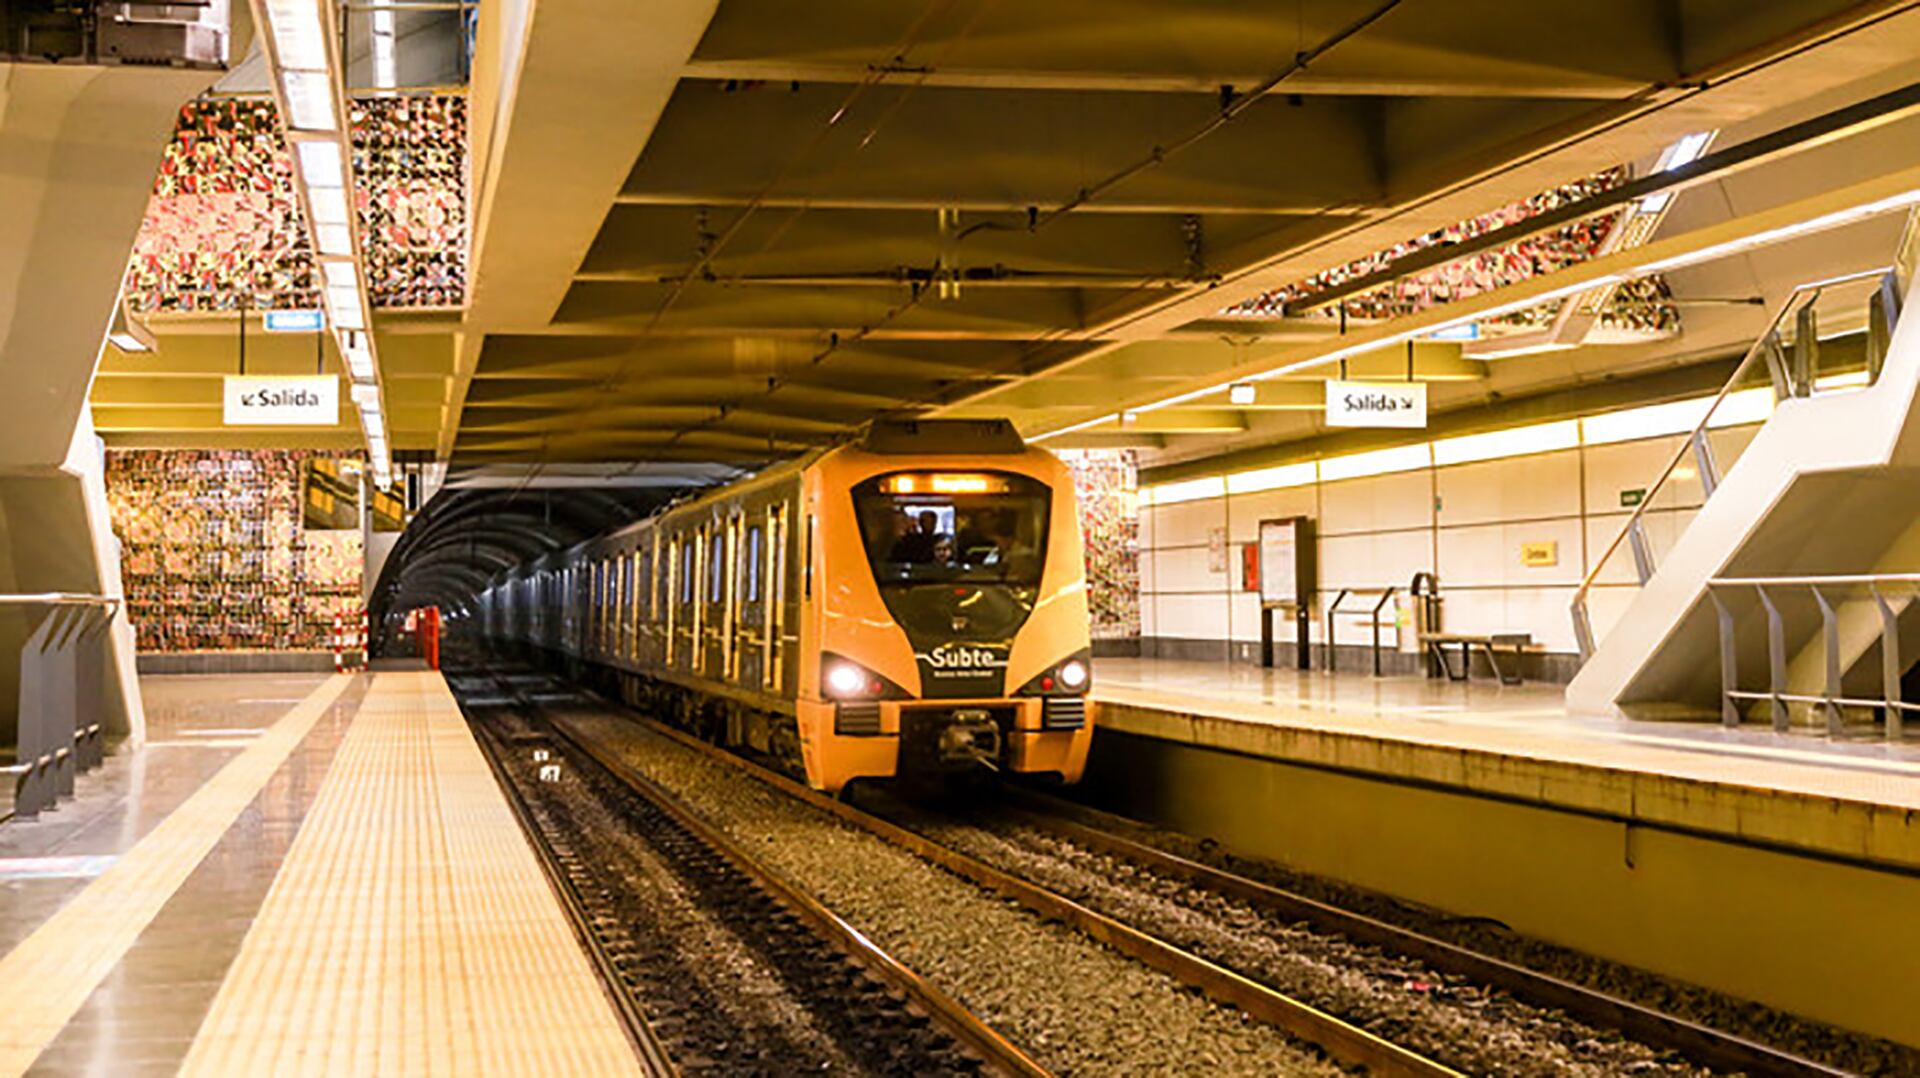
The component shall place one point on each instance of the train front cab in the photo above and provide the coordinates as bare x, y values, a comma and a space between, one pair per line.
910, 663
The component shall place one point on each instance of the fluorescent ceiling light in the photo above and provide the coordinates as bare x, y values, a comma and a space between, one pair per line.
298, 34
127, 342
1677, 417
345, 314
360, 366
1808, 227
334, 239
309, 100
1514, 442
1405, 458
320, 163
1276, 478
385, 75
340, 275
1682, 153
1534, 349
329, 205
363, 395
1241, 393
1188, 490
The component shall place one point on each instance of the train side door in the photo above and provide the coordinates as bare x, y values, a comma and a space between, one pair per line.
773, 647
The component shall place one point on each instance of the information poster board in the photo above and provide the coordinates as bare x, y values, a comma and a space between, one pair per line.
1286, 561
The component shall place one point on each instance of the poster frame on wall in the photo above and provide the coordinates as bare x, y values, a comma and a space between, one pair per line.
1289, 575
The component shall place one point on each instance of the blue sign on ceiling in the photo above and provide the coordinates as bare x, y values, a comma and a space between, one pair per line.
295, 322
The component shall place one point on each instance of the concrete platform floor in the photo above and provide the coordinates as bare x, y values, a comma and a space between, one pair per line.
1525, 720
315, 873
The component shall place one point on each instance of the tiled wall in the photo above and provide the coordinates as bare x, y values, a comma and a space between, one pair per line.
1466, 523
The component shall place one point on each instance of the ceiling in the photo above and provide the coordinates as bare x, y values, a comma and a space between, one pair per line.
712, 232
709, 233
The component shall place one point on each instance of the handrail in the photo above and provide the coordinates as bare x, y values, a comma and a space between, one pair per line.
60, 598
1386, 595
1583, 629
1836, 581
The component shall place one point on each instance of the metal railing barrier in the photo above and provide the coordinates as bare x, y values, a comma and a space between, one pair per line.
61, 673
1373, 618
1832, 697
1792, 370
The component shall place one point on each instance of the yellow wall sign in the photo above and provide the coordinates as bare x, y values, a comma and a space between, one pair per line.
1540, 555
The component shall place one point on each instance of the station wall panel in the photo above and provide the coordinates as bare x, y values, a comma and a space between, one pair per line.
1467, 523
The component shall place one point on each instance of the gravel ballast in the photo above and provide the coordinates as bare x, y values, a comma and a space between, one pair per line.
1473, 1028
1851, 1052
1076, 1006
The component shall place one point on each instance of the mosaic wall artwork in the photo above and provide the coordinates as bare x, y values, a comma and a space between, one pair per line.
214, 555
224, 229
1108, 487
1642, 306
410, 161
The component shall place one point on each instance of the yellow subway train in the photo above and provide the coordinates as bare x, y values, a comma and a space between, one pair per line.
911, 604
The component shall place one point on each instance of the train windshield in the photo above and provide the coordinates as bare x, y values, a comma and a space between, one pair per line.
934, 527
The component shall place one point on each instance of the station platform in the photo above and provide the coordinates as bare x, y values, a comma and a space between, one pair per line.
295, 874
1848, 798
1772, 867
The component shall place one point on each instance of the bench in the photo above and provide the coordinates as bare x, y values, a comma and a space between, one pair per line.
1490, 644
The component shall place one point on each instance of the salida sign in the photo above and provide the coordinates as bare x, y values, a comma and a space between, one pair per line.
309, 401
1376, 404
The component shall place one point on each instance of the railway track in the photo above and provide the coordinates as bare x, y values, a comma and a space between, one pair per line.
1344, 1041
823, 997
1358, 1043
1700, 1043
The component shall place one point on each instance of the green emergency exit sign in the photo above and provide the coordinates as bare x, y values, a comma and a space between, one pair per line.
1631, 498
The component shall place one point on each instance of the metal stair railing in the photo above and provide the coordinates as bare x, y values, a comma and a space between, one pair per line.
1832, 697
1790, 369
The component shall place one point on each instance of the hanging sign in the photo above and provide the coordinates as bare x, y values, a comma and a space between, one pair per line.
309, 401
294, 322
1376, 404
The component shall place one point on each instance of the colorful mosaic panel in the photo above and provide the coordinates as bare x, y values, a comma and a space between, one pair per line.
1107, 483
214, 556
224, 230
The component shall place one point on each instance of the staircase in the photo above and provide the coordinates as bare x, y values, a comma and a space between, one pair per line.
1789, 597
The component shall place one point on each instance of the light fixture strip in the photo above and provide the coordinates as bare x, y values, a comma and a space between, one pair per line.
1896, 193
303, 54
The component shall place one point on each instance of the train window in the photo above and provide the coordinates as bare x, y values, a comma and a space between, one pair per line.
976, 527
806, 569
716, 566
686, 572
754, 555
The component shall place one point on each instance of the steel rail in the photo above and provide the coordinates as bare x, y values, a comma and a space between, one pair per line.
1344, 1041
653, 1056
965, 1026
1699, 1043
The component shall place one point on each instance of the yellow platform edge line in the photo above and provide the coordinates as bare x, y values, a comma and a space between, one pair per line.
47, 978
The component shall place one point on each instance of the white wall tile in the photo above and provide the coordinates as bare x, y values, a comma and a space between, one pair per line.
1377, 503
1191, 617
1186, 523
1248, 510
1624, 466
1379, 560
1185, 569
1520, 488
1489, 555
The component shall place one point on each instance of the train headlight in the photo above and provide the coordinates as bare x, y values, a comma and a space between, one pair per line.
1073, 675
846, 680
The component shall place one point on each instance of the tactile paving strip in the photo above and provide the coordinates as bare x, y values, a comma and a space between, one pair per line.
410, 930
